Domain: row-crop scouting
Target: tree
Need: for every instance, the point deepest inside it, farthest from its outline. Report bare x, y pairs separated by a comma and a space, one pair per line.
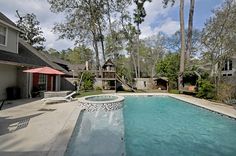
54, 52
79, 55
190, 32
139, 14
31, 30
114, 44
81, 24
168, 67
190, 27
182, 53
219, 38
185, 55
130, 34
152, 51
173, 42
84, 21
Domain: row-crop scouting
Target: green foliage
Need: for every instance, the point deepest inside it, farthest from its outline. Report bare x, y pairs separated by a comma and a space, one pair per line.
206, 89
114, 44
169, 67
139, 12
218, 36
87, 81
88, 93
166, 2
31, 31
79, 55
98, 88
174, 91
226, 92
54, 52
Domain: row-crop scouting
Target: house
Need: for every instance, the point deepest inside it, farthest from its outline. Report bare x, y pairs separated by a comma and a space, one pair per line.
72, 71
16, 56
229, 70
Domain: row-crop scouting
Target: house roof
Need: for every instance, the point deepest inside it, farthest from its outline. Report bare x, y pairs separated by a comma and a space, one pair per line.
28, 55
60, 62
161, 78
24, 58
41, 55
8, 22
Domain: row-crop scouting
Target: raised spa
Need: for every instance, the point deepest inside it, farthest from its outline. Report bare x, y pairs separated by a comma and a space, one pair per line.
101, 102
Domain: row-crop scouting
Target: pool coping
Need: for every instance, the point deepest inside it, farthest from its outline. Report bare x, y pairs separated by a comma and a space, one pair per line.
85, 99
60, 144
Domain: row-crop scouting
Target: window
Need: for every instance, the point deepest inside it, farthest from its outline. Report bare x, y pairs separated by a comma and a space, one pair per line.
145, 84
225, 65
229, 74
42, 81
230, 64
3, 35
224, 74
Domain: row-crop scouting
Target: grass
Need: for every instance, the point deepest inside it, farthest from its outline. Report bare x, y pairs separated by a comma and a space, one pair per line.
89, 92
174, 91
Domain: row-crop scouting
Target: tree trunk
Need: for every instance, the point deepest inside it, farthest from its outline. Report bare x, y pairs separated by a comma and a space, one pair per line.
95, 45
182, 53
190, 32
109, 16
135, 65
138, 57
101, 40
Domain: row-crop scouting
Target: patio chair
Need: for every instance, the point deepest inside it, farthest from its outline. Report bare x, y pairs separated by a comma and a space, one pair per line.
67, 98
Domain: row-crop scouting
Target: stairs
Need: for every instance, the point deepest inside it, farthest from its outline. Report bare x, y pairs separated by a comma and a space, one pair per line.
124, 83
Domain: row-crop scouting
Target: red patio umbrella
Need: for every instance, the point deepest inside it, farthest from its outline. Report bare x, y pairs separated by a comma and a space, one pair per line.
44, 70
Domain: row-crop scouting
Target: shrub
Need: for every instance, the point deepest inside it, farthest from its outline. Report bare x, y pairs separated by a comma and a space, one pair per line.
174, 91
87, 81
98, 88
206, 89
225, 92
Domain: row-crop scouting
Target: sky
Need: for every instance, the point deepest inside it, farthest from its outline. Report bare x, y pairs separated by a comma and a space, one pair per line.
158, 19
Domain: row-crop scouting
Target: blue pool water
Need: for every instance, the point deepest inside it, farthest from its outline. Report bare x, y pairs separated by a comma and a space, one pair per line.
98, 133
164, 126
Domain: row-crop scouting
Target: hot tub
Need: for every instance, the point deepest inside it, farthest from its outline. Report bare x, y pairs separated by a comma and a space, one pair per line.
101, 102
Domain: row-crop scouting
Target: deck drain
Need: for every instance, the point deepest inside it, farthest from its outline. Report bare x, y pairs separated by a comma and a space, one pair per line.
44, 109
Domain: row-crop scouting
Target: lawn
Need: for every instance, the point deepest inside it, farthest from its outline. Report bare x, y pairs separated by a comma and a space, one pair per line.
89, 92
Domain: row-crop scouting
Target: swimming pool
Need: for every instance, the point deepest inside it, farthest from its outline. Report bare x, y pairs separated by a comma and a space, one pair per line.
155, 126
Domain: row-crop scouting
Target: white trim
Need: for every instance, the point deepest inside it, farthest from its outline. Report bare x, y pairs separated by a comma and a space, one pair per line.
17, 43
46, 83
51, 83
6, 38
9, 25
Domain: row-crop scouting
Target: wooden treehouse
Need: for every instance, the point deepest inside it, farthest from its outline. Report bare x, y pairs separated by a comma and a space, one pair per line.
109, 77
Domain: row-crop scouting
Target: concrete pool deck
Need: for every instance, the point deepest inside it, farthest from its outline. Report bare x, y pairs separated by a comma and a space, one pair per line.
30, 128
